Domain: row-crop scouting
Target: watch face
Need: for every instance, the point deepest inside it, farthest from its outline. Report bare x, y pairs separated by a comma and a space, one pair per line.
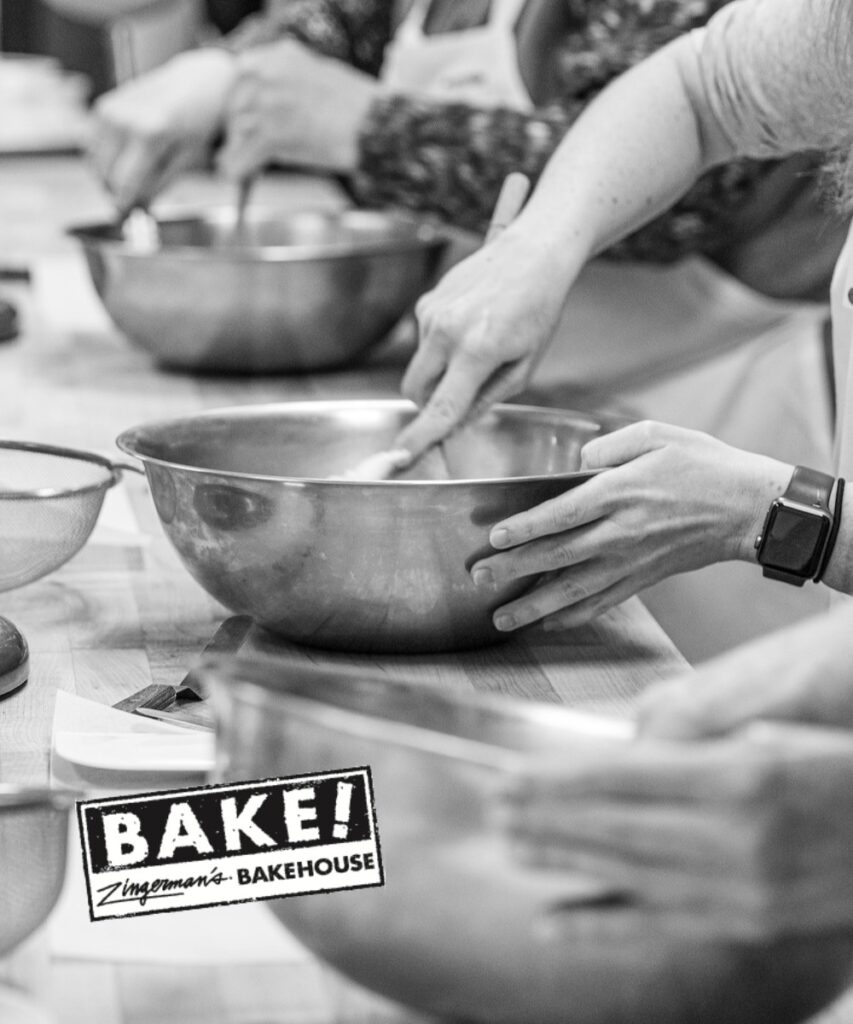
793, 540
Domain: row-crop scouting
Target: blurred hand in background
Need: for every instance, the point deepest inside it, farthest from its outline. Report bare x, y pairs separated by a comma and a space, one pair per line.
294, 107
745, 838
804, 674
154, 127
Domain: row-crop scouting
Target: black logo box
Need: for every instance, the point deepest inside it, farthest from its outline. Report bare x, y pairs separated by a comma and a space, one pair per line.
152, 811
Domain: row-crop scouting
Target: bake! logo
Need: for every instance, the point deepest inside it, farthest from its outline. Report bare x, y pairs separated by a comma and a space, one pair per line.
214, 845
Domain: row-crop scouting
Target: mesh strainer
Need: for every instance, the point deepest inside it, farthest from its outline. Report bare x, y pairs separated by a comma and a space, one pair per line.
33, 832
50, 499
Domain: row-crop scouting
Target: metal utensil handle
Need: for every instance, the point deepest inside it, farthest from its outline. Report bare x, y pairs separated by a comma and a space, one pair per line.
124, 51
513, 193
128, 467
173, 718
228, 639
244, 189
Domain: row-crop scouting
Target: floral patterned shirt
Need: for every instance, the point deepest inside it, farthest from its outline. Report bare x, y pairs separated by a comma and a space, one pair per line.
449, 159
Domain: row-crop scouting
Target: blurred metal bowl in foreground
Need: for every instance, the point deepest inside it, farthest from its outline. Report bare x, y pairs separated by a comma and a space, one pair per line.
244, 496
460, 928
284, 292
33, 838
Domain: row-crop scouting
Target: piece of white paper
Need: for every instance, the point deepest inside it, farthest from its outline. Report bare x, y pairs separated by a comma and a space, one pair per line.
74, 715
185, 752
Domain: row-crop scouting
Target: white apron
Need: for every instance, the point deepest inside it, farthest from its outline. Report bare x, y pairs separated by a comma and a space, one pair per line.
841, 1011
476, 65
685, 344
842, 343
754, 375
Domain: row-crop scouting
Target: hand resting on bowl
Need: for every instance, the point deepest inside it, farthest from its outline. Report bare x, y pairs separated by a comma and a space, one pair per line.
671, 500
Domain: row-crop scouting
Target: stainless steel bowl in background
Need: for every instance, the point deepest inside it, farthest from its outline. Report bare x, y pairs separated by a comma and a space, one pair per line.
33, 840
244, 496
284, 292
460, 928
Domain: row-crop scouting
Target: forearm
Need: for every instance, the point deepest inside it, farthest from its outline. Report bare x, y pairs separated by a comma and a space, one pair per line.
763, 80
633, 152
429, 156
799, 674
712, 218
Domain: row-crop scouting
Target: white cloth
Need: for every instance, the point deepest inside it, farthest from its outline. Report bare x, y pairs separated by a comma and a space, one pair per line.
684, 343
475, 65
842, 343
842, 340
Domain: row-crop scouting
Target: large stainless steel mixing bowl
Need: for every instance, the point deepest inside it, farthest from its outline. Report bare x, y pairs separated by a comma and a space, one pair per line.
284, 293
33, 839
243, 495
460, 929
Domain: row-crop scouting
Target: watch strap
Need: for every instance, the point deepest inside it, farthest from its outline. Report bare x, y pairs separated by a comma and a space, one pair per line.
770, 573
810, 487
833, 533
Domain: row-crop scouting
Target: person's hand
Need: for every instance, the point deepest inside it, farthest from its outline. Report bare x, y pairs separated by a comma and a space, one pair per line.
673, 500
482, 331
747, 837
147, 131
802, 674
294, 107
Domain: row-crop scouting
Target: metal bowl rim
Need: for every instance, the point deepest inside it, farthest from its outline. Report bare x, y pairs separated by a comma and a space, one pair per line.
37, 448
124, 442
426, 235
351, 723
18, 798
261, 675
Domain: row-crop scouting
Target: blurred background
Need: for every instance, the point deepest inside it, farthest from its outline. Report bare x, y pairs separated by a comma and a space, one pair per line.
80, 34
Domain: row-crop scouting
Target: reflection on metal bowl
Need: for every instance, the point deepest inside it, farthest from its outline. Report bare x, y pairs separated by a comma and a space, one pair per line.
461, 929
283, 293
245, 498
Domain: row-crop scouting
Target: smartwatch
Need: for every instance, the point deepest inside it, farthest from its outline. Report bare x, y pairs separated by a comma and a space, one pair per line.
793, 539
